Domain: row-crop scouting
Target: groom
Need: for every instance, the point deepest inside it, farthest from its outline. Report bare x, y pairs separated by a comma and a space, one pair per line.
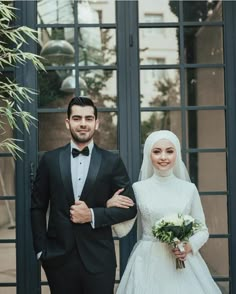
76, 246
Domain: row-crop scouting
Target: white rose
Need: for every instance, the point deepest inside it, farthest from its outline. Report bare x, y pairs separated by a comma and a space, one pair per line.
176, 219
188, 219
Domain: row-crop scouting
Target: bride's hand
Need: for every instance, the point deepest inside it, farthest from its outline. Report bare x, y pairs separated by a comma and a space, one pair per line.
182, 255
121, 201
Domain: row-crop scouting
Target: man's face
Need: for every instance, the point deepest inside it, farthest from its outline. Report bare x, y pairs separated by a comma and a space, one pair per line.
82, 124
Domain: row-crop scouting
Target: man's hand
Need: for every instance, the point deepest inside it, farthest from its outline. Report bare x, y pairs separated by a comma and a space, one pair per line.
80, 213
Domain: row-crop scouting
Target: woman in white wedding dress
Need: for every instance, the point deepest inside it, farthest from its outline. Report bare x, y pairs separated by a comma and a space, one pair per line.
164, 188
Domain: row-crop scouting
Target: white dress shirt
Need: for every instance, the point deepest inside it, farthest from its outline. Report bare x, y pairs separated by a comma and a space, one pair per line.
79, 171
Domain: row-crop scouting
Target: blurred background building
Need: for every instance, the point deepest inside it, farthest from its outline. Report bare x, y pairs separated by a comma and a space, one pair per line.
148, 65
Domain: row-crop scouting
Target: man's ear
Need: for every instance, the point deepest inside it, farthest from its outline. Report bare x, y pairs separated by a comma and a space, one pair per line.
67, 123
97, 124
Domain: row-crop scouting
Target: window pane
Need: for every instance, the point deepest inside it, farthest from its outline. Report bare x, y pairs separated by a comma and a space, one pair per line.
7, 218
202, 125
106, 135
91, 11
215, 208
158, 11
97, 46
52, 137
54, 88
205, 86
7, 226
160, 120
215, 253
8, 262
50, 12
202, 11
163, 51
8, 290
203, 45
7, 176
160, 87
105, 11
204, 175
57, 45
101, 86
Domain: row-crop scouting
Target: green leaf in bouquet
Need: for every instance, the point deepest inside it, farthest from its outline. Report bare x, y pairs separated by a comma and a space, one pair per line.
176, 231
187, 230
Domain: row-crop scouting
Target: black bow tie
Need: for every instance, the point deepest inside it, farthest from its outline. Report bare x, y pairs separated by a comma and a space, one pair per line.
76, 152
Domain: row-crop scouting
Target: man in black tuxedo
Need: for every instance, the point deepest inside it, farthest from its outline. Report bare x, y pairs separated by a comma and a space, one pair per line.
75, 245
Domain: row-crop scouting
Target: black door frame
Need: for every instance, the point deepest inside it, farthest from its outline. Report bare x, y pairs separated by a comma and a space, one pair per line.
229, 10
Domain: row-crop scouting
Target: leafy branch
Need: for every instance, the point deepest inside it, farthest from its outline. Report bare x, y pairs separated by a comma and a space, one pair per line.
13, 95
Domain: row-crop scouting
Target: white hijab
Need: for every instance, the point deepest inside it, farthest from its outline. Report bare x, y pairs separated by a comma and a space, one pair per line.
147, 169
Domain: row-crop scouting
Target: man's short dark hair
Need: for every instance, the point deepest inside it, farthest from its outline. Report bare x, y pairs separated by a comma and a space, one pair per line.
81, 101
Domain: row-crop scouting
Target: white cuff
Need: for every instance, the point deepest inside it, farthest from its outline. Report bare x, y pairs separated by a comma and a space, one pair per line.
39, 254
93, 219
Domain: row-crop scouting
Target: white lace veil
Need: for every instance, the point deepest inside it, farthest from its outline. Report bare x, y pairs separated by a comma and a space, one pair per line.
147, 169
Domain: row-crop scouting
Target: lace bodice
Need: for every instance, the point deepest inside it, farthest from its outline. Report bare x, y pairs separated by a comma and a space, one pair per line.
160, 196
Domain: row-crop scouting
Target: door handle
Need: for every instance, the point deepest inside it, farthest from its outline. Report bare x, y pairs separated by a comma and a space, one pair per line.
31, 174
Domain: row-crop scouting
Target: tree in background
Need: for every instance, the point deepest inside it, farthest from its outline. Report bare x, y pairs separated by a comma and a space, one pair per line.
13, 95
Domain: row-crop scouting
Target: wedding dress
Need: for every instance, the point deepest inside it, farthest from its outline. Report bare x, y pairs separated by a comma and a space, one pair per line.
151, 268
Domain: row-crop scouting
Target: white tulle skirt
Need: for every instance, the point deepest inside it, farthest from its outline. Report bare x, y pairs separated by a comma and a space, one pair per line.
151, 269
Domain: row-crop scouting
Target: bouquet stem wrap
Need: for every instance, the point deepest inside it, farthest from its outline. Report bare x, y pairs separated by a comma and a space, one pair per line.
177, 244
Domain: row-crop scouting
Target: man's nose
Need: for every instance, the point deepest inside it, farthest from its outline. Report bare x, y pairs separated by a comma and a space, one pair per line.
82, 122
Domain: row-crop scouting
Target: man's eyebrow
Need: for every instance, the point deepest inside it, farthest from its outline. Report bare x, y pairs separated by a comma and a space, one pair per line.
86, 116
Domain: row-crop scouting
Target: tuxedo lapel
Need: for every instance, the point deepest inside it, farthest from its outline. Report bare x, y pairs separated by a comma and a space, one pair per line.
94, 166
65, 168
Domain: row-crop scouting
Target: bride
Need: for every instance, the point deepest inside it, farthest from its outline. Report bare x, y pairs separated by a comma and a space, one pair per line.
164, 188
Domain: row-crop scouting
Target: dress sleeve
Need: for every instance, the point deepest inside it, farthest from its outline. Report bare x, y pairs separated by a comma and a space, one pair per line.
200, 237
120, 230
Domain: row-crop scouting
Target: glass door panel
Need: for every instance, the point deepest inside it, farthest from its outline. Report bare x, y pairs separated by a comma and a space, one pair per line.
182, 89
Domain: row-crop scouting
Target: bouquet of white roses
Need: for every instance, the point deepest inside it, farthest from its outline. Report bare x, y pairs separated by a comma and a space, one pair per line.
175, 230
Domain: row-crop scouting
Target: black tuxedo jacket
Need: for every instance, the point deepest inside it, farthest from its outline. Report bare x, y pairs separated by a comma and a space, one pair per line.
53, 232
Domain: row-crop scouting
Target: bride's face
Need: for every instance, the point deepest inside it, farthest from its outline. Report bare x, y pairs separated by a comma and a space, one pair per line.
163, 155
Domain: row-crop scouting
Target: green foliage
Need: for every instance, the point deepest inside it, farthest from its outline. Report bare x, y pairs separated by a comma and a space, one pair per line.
13, 95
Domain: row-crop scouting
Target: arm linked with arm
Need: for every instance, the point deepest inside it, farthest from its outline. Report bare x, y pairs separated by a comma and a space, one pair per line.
109, 216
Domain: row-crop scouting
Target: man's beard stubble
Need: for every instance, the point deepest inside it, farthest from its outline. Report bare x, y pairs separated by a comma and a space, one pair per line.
79, 140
